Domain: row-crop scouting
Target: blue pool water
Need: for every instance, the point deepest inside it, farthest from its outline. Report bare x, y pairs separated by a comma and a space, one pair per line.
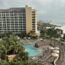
32, 51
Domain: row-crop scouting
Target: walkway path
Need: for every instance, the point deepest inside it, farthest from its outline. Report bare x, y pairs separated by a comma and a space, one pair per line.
61, 60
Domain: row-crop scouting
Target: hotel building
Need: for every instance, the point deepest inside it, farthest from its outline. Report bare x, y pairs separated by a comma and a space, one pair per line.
18, 20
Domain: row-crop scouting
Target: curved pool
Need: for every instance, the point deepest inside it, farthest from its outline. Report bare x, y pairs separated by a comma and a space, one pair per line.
32, 51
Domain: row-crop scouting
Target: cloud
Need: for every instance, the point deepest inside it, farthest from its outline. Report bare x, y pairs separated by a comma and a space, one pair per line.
46, 9
11, 3
51, 10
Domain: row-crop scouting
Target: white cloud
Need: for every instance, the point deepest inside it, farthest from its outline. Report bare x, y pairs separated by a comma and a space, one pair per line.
47, 9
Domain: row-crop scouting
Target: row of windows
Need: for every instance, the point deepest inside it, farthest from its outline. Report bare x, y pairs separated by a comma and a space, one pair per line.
12, 30
15, 27
11, 14
1, 32
9, 22
19, 19
13, 23
19, 22
15, 17
12, 17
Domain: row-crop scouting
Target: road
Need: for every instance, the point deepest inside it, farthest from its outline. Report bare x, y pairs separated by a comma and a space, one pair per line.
61, 60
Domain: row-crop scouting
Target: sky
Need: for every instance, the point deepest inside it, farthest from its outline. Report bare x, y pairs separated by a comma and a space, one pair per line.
52, 11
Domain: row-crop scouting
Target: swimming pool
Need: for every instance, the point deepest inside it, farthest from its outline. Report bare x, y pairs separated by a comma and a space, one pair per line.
32, 51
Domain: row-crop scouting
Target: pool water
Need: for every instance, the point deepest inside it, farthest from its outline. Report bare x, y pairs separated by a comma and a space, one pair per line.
32, 51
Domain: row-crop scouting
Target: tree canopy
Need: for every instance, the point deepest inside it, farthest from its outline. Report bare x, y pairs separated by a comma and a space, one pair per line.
51, 32
10, 45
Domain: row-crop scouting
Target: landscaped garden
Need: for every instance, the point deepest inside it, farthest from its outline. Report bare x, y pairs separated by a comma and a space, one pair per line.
12, 52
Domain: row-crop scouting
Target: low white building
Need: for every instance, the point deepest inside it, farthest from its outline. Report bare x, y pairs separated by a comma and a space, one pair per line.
62, 28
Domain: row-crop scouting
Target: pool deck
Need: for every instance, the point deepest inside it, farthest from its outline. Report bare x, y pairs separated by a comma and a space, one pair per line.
45, 58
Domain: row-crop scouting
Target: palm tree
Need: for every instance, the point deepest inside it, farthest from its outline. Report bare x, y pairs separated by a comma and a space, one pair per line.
10, 46
32, 33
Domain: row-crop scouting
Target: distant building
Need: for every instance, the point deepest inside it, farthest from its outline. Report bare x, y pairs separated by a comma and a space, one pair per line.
18, 20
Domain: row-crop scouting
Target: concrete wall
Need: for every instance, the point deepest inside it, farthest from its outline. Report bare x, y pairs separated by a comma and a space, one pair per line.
28, 19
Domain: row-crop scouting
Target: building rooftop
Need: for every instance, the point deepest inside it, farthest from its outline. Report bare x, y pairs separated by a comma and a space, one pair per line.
12, 9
